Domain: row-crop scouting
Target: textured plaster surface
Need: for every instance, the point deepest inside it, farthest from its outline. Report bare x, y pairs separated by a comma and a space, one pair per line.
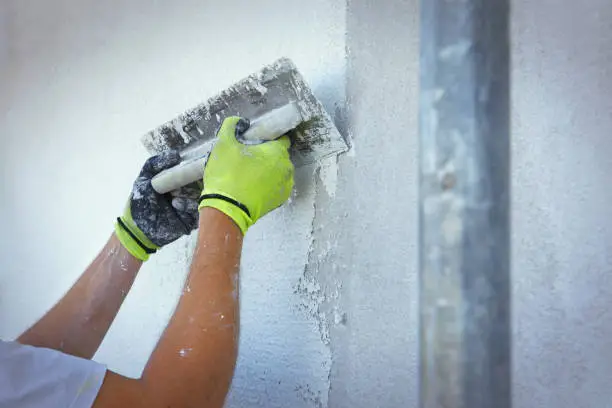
85, 80
562, 211
372, 251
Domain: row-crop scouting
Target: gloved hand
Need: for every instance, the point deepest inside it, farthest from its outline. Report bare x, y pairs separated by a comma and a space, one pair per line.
152, 220
246, 182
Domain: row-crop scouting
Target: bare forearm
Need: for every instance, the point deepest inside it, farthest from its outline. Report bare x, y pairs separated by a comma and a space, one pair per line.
195, 358
78, 323
193, 363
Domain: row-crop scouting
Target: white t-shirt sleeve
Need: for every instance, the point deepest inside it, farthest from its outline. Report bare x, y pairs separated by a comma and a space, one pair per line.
32, 377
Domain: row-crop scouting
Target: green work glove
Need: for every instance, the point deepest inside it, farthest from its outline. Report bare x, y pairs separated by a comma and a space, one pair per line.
246, 182
152, 220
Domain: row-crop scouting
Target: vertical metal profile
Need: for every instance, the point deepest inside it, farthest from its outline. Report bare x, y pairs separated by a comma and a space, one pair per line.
465, 342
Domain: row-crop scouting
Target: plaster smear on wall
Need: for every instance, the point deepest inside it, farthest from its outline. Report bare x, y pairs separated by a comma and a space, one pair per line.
328, 175
276, 366
86, 81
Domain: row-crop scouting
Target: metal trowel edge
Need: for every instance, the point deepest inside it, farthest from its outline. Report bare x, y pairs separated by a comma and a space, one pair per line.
272, 89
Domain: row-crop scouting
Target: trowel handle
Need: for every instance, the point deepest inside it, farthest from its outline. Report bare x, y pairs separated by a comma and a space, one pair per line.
269, 126
178, 176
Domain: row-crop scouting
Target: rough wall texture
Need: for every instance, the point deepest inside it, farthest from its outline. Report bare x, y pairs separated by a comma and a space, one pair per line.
562, 235
329, 283
373, 251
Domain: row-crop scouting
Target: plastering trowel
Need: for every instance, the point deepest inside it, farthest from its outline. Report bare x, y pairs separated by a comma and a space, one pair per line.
276, 100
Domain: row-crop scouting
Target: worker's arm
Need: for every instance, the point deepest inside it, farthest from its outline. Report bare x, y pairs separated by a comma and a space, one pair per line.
78, 323
193, 363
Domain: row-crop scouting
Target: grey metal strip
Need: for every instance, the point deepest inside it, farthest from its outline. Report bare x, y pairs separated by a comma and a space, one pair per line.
465, 325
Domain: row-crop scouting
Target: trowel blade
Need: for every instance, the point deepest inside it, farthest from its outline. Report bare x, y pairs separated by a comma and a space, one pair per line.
272, 87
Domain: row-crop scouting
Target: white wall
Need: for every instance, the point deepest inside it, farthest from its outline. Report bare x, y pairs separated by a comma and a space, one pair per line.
562, 212
86, 80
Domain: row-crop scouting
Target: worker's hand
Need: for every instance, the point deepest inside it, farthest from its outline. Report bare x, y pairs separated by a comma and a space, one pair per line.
246, 181
152, 220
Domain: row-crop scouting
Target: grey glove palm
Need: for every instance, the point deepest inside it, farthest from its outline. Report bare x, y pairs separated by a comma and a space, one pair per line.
152, 220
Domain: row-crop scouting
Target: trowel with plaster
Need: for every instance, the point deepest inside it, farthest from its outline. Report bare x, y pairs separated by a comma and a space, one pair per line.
276, 100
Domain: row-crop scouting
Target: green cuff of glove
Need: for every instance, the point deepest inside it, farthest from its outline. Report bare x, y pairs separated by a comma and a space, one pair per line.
133, 240
232, 208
